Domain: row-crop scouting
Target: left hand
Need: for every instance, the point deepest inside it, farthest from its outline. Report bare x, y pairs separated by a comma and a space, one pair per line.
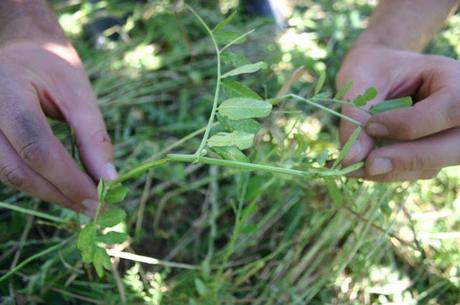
429, 132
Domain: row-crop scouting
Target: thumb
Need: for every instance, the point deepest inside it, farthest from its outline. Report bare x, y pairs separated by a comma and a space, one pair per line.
94, 143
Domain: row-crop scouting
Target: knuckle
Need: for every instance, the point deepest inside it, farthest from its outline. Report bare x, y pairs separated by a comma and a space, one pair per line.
406, 130
13, 177
35, 152
416, 162
101, 137
452, 111
442, 62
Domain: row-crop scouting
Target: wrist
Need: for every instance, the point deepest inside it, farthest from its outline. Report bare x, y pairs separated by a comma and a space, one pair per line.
370, 39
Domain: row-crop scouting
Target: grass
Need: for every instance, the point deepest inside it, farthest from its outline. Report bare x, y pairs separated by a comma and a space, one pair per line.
204, 234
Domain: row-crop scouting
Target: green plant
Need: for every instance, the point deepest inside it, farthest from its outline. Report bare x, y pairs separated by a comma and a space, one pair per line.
241, 237
236, 115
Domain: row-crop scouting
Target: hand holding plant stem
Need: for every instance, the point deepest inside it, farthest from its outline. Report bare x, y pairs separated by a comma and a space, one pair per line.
237, 115
428, 134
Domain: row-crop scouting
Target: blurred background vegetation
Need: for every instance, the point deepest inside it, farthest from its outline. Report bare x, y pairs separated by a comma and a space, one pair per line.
245, 238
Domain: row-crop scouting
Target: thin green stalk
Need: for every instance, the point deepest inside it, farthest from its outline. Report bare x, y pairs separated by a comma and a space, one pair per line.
333, 100
31, 212
181, 141
139, 170
34, 257
198, 153
235, 41
310, 102
242, 165
233, 164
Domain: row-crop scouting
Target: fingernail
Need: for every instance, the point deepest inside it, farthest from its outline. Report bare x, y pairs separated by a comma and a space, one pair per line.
354, 152
380, 166
110, 172
377, 130
90, 207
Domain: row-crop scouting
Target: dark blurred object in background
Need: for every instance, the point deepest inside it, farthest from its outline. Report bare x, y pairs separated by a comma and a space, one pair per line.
266, 8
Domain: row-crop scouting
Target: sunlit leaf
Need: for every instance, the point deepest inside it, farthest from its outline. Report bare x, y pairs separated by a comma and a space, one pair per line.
250, 68
111, 218
240, 139
236, 89
240, 108
391, 105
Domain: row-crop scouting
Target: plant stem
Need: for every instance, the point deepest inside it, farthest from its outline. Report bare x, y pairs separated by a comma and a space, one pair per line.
233, 164
242, 165
181, 141
235, 40
198, 153
31, 212
34, 257
310, 102
149, 260
139, 170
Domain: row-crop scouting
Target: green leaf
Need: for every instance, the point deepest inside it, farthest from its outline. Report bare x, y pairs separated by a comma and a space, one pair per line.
369, 95
247, 125
249, 210
391, 105
343, 90
240, 139
101, 260
239, 108
322, 157
87, 242
249, 229
236, 89
234, 59
101, 190
222, 24
334, 191
320, 82
111, 218
226, 37
250, 68
112, 238
230, 153
116, 194
346, 148
301, 143
200, 287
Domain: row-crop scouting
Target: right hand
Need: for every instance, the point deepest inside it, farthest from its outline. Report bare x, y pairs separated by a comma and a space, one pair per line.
39, 80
